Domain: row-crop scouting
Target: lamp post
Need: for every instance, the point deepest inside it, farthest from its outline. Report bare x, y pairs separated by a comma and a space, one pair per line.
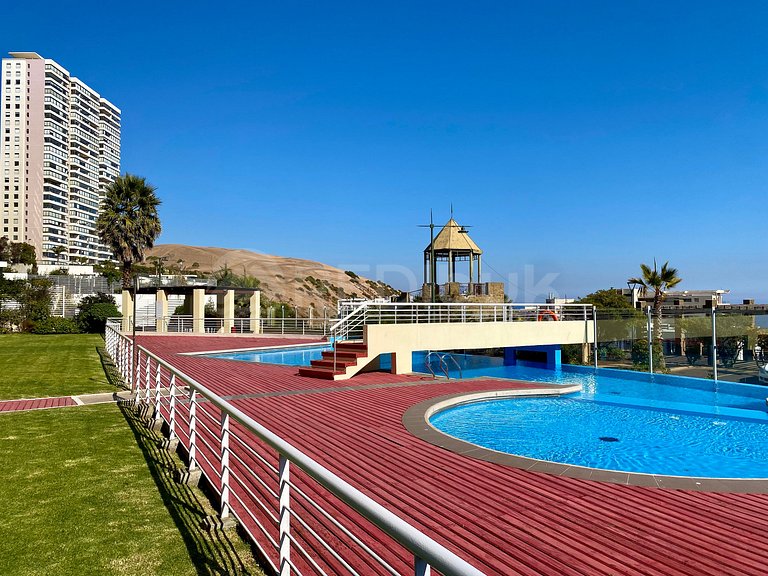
432, 266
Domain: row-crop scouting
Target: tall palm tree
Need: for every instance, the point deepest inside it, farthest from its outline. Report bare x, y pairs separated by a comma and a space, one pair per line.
659, 281
128, 222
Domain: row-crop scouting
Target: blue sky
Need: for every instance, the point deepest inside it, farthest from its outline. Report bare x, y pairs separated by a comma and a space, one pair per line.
577, 138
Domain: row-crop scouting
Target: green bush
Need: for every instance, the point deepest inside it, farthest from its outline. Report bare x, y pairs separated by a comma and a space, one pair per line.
640, 356
571, 354
55, 325
93, 312
611, 353
93, 319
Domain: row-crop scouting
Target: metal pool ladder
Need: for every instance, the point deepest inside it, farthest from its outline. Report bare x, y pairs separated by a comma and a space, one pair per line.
443, 364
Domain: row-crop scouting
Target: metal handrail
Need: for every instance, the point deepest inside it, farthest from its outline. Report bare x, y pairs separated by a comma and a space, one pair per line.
456, 362
424, 548
428, 364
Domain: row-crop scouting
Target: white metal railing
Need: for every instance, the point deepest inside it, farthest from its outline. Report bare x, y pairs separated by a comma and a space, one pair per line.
427, 313
350, 327
186, 323
251, 468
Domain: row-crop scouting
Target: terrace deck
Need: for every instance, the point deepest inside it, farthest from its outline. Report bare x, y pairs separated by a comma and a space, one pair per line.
503, 520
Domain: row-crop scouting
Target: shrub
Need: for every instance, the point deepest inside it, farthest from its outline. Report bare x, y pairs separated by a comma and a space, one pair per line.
571, 354
55, 325
94, 311
93, 319
640, 356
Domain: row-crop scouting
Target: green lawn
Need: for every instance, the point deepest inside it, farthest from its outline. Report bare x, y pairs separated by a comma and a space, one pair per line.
36, 366
85, 491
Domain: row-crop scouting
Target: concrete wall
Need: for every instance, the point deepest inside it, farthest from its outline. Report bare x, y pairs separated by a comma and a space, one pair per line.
402, 339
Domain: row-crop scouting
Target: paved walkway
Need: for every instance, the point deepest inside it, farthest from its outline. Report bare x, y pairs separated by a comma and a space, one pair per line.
61, 401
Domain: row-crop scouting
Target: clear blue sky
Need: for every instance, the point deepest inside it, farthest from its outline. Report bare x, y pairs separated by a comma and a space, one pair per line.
578, 138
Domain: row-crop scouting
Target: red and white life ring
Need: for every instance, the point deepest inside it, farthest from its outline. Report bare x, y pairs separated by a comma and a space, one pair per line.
547, 315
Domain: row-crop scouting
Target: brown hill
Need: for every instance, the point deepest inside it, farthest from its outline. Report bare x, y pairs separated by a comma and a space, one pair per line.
299, 282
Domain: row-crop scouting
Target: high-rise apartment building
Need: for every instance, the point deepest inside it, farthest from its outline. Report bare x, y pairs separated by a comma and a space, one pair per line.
60, 148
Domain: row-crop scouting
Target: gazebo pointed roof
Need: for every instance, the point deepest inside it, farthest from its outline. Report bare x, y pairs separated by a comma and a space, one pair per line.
450, 239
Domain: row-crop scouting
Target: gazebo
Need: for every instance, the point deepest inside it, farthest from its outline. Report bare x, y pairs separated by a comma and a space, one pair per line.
452, 244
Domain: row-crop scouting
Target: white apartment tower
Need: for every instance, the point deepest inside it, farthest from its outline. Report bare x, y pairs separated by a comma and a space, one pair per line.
60, 148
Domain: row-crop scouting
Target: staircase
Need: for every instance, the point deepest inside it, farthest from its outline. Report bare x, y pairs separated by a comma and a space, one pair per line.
351, 357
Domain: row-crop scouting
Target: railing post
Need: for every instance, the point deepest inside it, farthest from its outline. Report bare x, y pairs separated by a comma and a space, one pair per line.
224, 465
146, 382
172, 410
420, 567
193, 429
714, 345
158, 415
284, 477
650, 341
594, 329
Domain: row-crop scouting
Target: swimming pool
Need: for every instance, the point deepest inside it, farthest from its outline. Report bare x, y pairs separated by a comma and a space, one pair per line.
622, 421
289, 355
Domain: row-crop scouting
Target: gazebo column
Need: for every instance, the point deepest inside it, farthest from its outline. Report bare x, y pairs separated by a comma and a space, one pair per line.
471, 257
479, 268
426, 262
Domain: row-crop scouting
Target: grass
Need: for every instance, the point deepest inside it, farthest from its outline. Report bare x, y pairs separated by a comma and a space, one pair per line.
37, 366
86, 490
81, 496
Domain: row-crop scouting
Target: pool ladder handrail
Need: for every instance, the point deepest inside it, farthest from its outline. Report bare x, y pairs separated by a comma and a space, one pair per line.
428, 363
443, 364
456, 363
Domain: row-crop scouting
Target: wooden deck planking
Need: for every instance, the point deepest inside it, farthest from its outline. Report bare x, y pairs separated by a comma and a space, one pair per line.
503, 520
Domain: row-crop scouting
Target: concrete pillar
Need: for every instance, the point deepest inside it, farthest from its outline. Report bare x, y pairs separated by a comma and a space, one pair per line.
127, 305
255, 306
161, 311
198, 310
229, 311
402, 362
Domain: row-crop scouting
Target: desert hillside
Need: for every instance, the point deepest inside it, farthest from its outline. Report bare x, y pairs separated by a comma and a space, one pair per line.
299, 282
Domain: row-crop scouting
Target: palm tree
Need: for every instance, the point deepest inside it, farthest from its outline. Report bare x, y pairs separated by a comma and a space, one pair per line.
659, 281
128, 222
58, 251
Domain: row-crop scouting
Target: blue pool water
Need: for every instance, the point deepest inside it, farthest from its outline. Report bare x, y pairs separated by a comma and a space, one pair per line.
624, 421
293, 356
620, 420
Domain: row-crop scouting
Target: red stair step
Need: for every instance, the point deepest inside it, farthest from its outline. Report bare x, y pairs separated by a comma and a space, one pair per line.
322, 373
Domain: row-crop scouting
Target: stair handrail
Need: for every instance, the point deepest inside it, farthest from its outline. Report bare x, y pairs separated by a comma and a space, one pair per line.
336, 328
456, 362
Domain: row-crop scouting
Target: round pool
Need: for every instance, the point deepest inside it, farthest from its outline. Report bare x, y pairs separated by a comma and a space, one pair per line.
579, 431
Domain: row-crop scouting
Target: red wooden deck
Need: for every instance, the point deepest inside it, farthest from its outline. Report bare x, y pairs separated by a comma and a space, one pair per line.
502, 520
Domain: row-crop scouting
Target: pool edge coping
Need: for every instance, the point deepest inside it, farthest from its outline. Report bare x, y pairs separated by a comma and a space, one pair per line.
416, 420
